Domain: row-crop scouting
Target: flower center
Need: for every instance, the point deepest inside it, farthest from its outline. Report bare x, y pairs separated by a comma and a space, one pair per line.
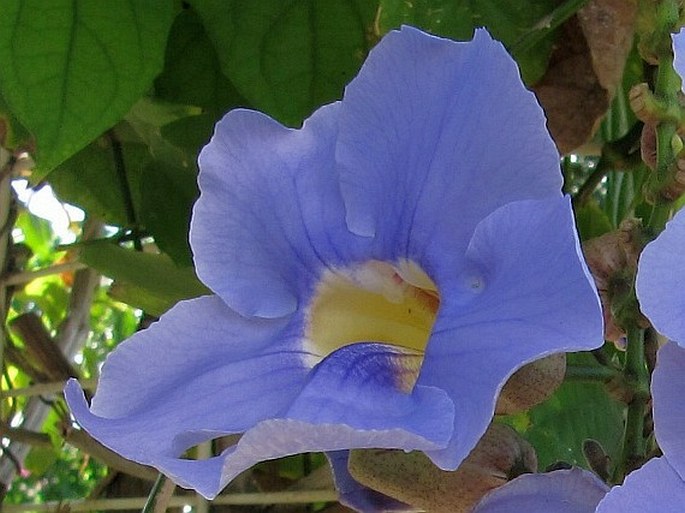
372, 302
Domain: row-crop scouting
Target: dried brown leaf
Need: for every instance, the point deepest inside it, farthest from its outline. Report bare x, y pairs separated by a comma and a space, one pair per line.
584, 70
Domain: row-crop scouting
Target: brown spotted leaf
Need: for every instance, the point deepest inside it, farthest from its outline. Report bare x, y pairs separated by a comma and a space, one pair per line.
585, 69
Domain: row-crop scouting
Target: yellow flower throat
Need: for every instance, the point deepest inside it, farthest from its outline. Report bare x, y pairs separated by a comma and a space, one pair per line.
373, 302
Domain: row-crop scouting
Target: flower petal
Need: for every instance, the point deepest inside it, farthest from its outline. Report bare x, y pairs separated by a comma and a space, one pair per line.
654, 488
561, 491
679, 52
521, 300
270, 214
434, 136
350, 401
668, 390
276, 438
661, 280
357, 496
364, 386
201, 372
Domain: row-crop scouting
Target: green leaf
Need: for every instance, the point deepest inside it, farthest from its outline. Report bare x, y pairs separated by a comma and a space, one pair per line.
91, 180
190, 133
145, 122
13, 135
149, 281
192, 72
49, 296
441, 17
294, 467
577, 411
620, 117
168, 193
37, 235
508, 22
621, 190
152, 185
287, 57
149, 114
71, 70
592, 221
148, 301
40, 459
192, 76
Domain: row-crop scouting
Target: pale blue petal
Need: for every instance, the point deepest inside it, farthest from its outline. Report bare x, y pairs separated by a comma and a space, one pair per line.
350, 401
357, 496
270, 215
526, 293
435, 135
228, 381
361, 385
276, 438
654, 488
203, 476
661, 280
201, 348
679, 52
668, 392
200, 372
561, 491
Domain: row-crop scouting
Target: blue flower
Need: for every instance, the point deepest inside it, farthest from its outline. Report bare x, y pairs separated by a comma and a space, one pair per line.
656, 487
659, 485
661, 281
562, 491
378, 274
679, 52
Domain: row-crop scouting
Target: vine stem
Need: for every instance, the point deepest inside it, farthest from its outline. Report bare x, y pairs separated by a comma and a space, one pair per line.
590, 373
160, 495
263, 499
636, 374
666, 87
122, 176
6, 224
23, 277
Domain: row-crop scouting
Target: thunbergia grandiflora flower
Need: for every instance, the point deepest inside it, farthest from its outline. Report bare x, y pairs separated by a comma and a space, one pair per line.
378, 274
562, 491
679, 52
658, 486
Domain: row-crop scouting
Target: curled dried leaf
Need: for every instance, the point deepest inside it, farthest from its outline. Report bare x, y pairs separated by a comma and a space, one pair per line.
612, 259
585, 70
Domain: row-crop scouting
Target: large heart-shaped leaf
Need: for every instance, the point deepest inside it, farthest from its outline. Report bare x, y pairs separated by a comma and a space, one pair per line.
71, 70
287, 57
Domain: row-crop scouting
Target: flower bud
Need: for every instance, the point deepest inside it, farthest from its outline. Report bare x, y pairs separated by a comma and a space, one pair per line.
531, 384
412, 478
